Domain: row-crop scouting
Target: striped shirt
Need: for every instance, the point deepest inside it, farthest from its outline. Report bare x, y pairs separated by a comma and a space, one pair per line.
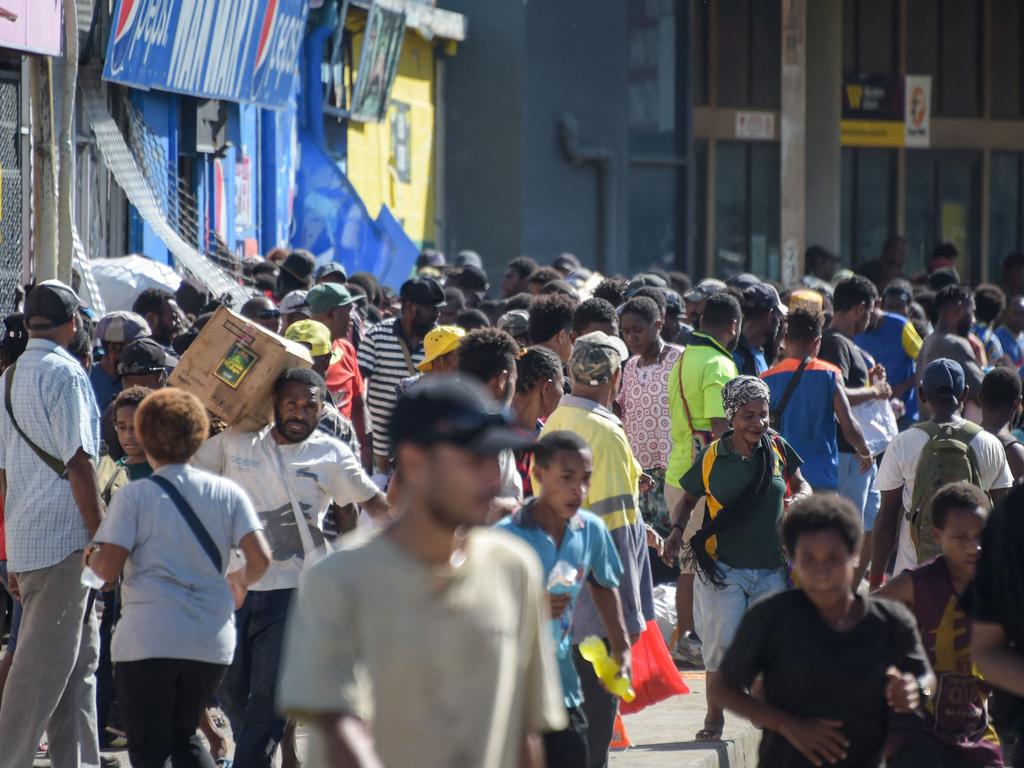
382, 361
54, 404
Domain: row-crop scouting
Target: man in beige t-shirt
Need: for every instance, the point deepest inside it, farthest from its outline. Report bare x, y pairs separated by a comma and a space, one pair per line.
427, 645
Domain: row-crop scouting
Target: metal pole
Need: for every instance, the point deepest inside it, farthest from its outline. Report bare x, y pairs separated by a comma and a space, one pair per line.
45, 183
686, 180
794, 126
66, 146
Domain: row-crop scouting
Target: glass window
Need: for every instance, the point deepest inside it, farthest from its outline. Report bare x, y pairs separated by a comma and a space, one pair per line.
923, 38
868, 202
748, 53
1006, 58
699, 52
747, 209
943, 198
960, 53
1006, 209
733, 53
870, 36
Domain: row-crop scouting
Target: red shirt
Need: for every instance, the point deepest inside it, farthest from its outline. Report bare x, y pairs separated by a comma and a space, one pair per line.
344, 381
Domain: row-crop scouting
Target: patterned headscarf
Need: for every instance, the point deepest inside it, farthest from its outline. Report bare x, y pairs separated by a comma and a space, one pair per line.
742, 390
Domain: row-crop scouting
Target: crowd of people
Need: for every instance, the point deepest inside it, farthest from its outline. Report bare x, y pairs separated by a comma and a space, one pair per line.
823, 473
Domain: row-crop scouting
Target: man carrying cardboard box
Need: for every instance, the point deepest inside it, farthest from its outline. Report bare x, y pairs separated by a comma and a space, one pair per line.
289, 469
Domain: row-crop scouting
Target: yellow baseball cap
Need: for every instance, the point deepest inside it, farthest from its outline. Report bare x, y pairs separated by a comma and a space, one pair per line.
440, 341
316, 336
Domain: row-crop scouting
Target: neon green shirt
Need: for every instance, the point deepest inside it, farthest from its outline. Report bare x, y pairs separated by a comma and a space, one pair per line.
704, 369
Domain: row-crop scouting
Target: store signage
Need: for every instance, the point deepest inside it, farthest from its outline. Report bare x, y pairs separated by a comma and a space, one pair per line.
755, 125
918, 109
880, 111
235, 50
32, 26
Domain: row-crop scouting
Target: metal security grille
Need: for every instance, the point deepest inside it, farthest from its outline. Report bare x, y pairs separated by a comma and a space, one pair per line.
10, 191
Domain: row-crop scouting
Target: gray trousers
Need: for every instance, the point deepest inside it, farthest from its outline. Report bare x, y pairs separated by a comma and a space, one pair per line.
51, 686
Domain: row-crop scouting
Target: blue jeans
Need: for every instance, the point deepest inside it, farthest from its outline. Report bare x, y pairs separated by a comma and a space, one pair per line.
12, 642
249, 689
717, 611
859, 488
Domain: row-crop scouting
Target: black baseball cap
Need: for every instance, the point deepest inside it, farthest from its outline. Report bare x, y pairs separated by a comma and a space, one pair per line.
445, 409
422, 290
142, 357
49, 305
331, 269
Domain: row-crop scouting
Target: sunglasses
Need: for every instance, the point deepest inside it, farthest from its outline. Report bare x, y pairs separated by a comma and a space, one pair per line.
269, 314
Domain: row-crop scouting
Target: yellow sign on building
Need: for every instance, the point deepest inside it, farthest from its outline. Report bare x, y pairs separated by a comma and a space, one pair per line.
392, 162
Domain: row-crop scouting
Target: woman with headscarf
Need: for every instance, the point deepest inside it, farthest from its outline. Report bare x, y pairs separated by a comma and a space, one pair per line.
748, 476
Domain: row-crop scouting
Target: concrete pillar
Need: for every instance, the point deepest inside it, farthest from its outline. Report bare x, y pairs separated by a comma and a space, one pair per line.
824, 110
792, 166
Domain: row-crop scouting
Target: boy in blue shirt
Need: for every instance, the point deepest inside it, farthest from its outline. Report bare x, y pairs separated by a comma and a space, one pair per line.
574, 547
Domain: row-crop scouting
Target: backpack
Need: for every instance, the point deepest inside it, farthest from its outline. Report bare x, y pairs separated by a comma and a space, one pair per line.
945, 458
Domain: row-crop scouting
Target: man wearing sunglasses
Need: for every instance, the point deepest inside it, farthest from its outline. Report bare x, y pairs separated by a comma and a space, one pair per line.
262, 311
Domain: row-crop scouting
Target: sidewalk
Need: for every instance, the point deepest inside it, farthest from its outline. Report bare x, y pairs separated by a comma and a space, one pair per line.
662, 736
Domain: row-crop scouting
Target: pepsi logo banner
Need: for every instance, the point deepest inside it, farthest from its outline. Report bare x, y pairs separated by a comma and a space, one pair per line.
235, 50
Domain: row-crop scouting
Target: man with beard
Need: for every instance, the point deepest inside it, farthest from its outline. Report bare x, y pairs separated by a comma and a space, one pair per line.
159, 308
390, 352
289, 459
954, 305
439, 622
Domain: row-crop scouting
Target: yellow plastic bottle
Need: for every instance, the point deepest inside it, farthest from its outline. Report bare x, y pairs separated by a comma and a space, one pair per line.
594, 650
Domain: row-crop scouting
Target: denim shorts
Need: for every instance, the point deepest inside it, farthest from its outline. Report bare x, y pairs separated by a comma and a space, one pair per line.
717, 611
16, 615
859, 488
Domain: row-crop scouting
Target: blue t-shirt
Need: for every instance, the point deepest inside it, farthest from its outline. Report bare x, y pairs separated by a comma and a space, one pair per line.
587, 552
809, 423
750, 361
993, 347
1011, 345
895, 344
104, 387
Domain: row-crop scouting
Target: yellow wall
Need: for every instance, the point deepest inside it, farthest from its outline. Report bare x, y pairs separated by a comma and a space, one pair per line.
370, 155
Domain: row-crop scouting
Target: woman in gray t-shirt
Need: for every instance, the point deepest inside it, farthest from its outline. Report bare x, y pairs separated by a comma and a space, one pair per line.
172, 535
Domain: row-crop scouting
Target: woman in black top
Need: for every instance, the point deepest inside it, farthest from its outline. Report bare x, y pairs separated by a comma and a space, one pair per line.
833, 663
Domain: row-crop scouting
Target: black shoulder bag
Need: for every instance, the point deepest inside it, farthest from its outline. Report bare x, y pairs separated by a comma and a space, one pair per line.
788, 394
202, 535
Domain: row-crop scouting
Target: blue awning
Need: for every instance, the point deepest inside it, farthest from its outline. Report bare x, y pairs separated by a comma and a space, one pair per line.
235, 50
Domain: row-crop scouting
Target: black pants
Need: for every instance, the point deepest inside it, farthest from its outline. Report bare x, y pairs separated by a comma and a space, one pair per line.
568, 748
600, 708
161, 701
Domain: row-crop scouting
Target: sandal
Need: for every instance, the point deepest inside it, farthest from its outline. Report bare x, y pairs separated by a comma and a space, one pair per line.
706, 735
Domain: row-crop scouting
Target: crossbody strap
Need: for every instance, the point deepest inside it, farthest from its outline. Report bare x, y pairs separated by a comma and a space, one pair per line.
201, 534
52, 462
791, 388
682, 393
300, 519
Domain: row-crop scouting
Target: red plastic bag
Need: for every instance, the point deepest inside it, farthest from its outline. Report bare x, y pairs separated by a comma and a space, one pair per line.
655, 677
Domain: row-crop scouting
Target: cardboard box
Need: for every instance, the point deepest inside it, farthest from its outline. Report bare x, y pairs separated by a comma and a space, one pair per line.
232, 366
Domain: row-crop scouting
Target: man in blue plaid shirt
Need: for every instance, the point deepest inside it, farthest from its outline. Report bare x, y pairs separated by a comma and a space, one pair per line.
49, 438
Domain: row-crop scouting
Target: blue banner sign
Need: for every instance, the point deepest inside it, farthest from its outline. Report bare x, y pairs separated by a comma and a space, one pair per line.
235, 50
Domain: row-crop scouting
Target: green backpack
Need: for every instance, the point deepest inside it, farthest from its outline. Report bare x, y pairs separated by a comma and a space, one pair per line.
945, 458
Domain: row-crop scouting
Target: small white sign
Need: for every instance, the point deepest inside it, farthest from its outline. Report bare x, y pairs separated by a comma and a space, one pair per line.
755, 125
917, 110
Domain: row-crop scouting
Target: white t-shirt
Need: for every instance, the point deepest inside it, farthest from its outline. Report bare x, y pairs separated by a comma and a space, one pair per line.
899, 468
322, 468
